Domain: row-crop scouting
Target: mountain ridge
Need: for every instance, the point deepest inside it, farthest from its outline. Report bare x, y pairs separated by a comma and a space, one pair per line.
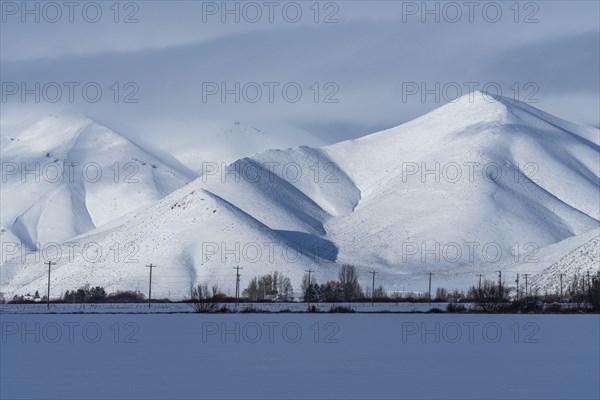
64, 176
492, 173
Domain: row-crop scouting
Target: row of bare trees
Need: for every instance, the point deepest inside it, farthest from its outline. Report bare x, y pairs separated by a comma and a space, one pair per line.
346, 288
581, 289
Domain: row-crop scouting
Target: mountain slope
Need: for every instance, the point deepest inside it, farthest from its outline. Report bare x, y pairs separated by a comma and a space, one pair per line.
487, 170
64, 176
572, 257
469, 187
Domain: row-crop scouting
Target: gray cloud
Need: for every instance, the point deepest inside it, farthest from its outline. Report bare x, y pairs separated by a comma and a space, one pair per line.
370, 54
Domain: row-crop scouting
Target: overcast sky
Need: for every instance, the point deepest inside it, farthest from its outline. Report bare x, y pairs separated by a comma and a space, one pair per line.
357, 64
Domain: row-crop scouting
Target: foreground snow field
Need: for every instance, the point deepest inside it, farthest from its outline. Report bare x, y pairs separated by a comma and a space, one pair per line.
320, 356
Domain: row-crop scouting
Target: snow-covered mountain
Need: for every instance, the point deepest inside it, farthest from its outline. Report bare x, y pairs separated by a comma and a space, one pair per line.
66, 175
225, 144
475, 186
571, 257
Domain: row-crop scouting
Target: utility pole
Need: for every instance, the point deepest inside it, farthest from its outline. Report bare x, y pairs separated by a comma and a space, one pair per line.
310, 271
150, 283
500, 294
589, 286
429, 295
526, 292
373, 288
237, 284
50, 263
517, 286
561, 286
480, 276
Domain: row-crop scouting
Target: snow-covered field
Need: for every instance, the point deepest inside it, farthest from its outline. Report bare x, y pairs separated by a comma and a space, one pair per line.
274, 356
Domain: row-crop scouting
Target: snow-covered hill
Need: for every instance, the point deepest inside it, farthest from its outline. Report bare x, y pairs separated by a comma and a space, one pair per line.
225, 144
472, 187
66, 175
573, 257
492, 172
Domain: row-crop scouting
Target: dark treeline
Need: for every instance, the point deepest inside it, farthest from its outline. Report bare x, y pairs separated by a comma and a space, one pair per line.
581, 292
86, 294
274, 286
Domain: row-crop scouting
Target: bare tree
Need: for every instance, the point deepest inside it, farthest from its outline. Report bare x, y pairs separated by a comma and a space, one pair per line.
441, 294
270, 286
380, 293
349, 280
284, 288
252, 292
202, 300
489, 295
308, 288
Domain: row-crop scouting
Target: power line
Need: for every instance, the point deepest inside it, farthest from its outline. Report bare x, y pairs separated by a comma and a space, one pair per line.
429, 292
50, 263
150, 284
373, 288
237, 284
309, 289
526, 290
589, 284
500, 282
561, 285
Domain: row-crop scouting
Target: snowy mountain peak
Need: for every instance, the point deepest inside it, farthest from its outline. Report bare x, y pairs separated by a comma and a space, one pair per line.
470, 109
47, 134
65, 175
